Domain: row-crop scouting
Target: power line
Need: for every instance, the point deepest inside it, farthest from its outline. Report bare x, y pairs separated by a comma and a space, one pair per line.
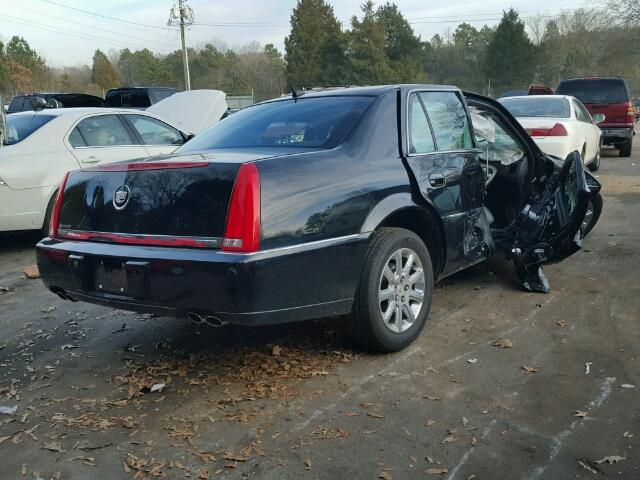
107, 17
165, 45
48, 28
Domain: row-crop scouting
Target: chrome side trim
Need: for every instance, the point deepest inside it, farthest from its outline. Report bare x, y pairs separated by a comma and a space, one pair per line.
214, 242
303, 247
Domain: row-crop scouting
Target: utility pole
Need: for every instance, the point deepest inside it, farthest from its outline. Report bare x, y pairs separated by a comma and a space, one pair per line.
182, 14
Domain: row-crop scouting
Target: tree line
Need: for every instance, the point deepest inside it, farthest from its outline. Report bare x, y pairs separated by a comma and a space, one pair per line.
378, 46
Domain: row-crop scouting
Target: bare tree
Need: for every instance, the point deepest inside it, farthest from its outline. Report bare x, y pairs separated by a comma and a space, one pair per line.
627, 11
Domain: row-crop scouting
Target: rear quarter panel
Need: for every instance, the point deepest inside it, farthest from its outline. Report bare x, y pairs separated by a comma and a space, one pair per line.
325, 194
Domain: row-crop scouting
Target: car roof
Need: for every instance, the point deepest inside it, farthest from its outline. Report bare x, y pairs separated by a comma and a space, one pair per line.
78, 111
370, 90
531, 97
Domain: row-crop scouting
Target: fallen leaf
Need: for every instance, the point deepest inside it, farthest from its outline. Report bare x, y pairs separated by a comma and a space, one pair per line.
431, 397
276, 351
580, 414
374, 415
158, 387
385, 476
465, 421
627, 435
611, 459
31, 272
428, 423
53, 446
307, 464
472, 360
86, 445
436, 471
529, 369
503, 343
561, 323
449, 439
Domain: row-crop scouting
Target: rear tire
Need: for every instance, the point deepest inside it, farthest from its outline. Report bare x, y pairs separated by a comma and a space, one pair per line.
595, 165
625, 148
47, 215
405, 291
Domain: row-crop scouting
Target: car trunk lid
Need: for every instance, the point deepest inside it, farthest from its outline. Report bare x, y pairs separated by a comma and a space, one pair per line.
179, 201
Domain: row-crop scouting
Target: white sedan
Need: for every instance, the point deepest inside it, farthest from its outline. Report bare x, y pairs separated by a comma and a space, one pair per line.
41, 146
560, 125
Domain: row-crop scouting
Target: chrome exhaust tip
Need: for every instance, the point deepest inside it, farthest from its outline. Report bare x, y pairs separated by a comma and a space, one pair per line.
195, 318
214, 321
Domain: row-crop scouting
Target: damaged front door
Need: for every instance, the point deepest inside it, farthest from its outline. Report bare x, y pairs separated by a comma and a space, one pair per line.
548, 229
440, 152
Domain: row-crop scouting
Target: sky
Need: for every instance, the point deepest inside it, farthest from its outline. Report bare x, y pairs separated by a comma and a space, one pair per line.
67, 36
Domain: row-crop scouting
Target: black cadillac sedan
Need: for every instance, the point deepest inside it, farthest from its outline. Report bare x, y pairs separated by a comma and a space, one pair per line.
344, 202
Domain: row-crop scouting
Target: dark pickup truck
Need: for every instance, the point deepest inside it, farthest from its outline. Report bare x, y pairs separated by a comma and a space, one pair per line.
344, 202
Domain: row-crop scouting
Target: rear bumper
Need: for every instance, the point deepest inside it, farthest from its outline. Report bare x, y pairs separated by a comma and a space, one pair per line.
311, 280
616, 135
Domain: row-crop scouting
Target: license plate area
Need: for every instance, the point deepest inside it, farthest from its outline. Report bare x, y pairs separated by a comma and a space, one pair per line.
111, 276
119, 277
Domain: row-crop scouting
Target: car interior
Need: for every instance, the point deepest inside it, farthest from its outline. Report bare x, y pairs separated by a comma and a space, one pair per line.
505, 163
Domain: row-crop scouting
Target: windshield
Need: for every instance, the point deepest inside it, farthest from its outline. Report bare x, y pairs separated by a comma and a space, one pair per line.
537, 107
601, 91
320, 122
21, 126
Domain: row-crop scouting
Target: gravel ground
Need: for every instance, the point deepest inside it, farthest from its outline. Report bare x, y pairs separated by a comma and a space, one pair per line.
502, 384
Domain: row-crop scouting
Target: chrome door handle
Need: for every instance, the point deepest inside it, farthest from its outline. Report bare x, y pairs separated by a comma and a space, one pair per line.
90, 159
437, 180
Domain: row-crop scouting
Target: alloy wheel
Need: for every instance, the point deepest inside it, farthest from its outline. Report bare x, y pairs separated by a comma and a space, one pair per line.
401, 290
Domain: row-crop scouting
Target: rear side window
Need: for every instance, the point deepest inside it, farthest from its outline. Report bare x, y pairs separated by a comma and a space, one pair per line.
20, 127
420, 138
155, 132
135, 99
448, 119
157, 94
320, 122
103, 131
113, 100
599, 91
19, 104
581, 113
75, 138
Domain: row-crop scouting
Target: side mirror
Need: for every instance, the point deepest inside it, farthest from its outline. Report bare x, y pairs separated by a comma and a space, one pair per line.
187, 136
38, 103
598, 118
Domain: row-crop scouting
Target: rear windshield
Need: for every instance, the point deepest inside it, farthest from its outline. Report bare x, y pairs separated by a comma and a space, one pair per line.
320, 122
602, 91
70, 101
20, 127
537, 107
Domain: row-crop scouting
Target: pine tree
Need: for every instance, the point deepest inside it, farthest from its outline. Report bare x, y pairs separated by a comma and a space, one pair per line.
510, 54
367, 49
103, 73
314, 41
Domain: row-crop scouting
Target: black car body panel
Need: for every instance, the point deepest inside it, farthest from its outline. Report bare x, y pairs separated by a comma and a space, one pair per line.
21, 103
318, 209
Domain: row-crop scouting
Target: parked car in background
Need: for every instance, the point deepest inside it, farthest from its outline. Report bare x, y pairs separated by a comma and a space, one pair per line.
560, 125
137, 97
610, 97
40, 147
351, 201
22, 103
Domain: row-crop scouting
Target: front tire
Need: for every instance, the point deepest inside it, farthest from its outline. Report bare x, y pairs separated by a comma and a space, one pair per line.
594, 209
394, 295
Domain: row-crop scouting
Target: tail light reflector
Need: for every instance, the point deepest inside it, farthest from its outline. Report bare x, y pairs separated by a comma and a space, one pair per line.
631, 114
557, 130
242, 232
54, 223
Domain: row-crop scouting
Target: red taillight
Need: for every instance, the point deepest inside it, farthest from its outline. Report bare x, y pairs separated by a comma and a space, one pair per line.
55, 213
242, 233
631, 113
557, 130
